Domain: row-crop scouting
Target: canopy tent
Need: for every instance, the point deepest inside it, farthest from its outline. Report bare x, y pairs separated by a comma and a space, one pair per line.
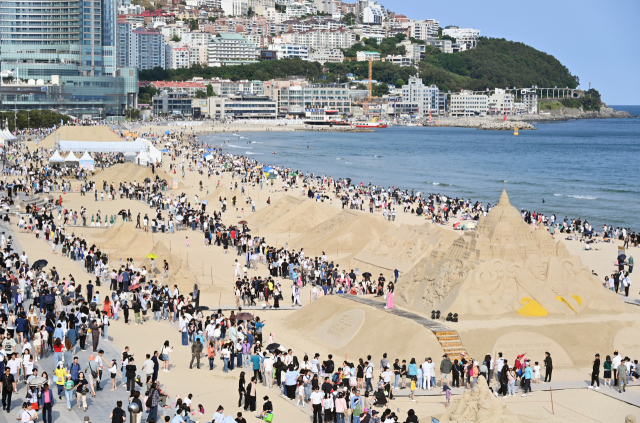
86, 161
71, 158
7, 135
103, 147
56, 158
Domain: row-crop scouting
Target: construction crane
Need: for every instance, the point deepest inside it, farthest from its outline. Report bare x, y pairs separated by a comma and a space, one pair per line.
371, 60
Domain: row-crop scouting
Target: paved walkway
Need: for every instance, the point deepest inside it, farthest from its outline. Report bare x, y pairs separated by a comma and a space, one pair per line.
432, 325
98, 408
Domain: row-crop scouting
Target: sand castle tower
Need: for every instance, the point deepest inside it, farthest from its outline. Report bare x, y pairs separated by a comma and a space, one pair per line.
504, 266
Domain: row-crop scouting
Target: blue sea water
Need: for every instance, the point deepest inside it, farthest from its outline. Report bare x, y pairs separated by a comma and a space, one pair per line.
582, 168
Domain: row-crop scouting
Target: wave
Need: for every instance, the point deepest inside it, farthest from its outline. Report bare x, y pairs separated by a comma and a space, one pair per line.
236, 146
440, 184
375, 155
582, 197
249, 153
339, 158
557, 195
257, 142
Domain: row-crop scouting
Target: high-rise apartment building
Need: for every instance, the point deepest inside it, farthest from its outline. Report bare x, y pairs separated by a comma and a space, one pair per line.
72, 40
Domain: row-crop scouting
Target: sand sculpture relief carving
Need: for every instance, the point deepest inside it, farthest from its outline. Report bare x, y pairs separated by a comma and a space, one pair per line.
339, 331
533, 344
504, 267
627, 342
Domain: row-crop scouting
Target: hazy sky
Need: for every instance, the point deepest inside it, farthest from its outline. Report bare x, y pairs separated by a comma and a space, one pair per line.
597, 40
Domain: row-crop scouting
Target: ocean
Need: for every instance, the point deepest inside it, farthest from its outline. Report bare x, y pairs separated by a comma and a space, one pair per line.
582, 168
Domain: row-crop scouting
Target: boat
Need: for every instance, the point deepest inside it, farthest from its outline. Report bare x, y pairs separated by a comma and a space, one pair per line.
516, 131
374, 123
324, 117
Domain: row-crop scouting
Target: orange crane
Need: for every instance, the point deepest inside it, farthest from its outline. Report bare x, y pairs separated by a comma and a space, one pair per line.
371, 60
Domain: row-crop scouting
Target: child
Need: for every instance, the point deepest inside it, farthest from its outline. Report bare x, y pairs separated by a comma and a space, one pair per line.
300, 395
188, 400
199, 411
447, 392
536, 372
113, 370
413, 389
187, 242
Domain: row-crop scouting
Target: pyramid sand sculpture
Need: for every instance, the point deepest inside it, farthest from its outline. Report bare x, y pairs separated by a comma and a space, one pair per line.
478, 405
503, 267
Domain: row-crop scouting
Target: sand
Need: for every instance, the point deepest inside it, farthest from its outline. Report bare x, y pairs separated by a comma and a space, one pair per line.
321, 326
129, 172
333, 325
77, 133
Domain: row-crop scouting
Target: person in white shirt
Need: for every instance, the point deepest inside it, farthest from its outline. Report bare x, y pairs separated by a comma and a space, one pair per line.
316, 404
426, 375
268, 370
617, 359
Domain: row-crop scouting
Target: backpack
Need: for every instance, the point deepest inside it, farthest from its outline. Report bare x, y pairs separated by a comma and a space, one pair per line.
148, 402
335, 378
329, 367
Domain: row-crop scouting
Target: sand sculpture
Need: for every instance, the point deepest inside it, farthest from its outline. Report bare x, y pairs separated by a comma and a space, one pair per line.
401, 247
502, 267
478, 405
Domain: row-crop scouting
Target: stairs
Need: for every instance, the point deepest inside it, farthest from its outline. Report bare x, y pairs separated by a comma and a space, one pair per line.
451, 343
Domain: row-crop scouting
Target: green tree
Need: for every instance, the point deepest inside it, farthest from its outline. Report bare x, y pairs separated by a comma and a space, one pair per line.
210, 92
211, 19
400, 82
201, 94
349, 19
193, 24
378, 90
175, 38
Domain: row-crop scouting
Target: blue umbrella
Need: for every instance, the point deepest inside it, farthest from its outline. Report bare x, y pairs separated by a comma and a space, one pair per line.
164, 150
153, 138
167, 132
205, 202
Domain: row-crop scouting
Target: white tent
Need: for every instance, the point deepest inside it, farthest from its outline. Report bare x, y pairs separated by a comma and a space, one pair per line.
86, 161
103, 147
71, 158
56, 158
7, 135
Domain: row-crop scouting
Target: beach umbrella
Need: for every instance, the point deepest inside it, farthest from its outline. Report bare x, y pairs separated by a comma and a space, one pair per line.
164, 150
275, 346
4, 206
469, 225
39, 264
455, 225
202, 308
179, 218
147, 179
167, 132
205, 202
431, 208
38, 381
152, 256
136, 286
243, 222
244, 316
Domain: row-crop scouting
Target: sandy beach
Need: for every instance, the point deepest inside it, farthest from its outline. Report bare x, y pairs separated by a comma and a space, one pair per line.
353, 239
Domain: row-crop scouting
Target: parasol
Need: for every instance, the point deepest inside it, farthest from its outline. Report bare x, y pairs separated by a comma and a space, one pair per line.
244, 316
40, 264
152, 256
274, 346
243, 222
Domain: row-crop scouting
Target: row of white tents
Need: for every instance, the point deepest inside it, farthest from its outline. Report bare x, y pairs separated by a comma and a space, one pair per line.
84, 162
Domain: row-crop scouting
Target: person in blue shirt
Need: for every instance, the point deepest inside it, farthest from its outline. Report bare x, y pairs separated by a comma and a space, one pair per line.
528, 375
291, 381
259, 325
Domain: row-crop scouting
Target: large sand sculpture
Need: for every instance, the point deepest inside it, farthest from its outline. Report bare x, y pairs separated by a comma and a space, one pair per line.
334, 325
504, 267
401, 247
80, 133
478, 405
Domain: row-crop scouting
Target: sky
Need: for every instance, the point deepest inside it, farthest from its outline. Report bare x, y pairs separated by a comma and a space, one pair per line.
597, 40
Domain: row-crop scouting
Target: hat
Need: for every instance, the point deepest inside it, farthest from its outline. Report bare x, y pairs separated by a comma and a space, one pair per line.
366, 410
374, 412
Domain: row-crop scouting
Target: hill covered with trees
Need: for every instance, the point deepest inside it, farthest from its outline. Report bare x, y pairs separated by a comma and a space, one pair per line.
494, 63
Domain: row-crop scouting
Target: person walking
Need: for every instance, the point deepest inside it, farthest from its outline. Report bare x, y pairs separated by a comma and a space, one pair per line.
316, 404
196, 352
46, 403
68, 391
595, 373
118, 415
82, 390
152, 402
7, 380
528, 375
622, 377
